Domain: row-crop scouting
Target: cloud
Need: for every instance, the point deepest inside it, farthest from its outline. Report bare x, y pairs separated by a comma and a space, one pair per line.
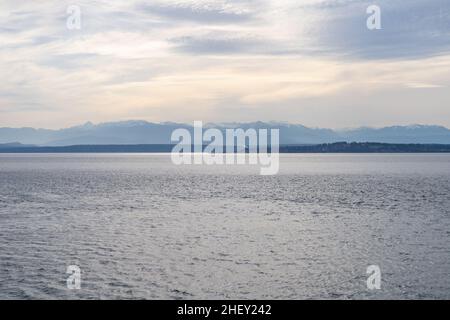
311, 61
423, 85
219, 44
197, 13
410, 29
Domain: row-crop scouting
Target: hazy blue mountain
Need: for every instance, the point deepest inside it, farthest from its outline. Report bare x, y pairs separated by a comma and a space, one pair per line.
142, 132
399, 134
14, 145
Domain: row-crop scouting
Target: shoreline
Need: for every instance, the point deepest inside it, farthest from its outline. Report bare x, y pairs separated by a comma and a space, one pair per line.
339, 147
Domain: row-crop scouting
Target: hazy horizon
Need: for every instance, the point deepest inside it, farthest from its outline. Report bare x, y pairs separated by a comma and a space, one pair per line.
225, 123
143, 132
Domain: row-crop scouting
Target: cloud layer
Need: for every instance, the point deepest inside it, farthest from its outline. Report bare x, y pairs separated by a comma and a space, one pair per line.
313, 62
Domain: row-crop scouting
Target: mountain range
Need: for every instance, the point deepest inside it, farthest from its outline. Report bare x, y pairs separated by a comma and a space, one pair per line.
143, 132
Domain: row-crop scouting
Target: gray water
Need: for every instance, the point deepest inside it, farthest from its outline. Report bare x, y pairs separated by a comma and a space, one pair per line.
142, 228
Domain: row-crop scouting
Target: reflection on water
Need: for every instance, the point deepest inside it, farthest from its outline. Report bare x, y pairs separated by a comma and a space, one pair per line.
140, 227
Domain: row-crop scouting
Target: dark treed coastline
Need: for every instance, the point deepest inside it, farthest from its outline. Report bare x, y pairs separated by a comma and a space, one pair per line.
338, 147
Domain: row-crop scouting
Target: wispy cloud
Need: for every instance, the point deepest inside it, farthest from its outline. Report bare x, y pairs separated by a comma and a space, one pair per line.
211, 13
312, 61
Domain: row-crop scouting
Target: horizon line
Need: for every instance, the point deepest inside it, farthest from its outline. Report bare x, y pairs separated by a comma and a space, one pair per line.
225, 123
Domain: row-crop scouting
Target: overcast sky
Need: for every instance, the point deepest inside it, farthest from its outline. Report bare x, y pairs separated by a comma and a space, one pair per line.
313, 62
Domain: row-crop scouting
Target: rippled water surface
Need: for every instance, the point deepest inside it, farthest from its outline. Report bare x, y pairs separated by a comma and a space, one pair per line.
140, 227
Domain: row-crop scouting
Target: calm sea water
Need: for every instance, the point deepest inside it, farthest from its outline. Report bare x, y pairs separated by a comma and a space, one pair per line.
140, 227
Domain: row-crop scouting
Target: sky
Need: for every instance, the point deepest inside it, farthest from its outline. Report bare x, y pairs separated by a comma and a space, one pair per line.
311, 62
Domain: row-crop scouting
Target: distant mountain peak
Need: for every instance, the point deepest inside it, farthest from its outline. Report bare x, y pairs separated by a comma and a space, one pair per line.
87, 125
14, 145
144, 132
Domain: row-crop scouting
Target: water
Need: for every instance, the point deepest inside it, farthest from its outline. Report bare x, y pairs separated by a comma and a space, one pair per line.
142, 228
